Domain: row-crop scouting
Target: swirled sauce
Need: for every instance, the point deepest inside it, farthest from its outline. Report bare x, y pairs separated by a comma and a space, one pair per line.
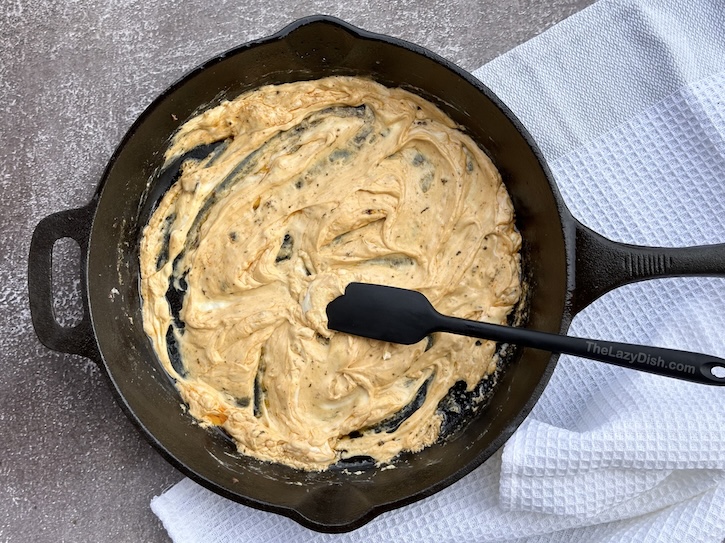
313, 185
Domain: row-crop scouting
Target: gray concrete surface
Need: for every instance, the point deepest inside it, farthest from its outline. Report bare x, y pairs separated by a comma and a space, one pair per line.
73, 77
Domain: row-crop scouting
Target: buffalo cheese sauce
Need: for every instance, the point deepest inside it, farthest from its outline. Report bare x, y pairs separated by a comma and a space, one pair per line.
313, 185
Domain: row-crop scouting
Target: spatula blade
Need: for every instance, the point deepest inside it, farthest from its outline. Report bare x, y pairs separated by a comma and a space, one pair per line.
381, 312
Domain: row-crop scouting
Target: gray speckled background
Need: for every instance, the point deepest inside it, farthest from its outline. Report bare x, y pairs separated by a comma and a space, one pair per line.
73, 77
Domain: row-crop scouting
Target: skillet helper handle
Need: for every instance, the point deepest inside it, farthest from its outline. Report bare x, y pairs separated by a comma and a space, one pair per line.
688, 366
602, 264
74, 224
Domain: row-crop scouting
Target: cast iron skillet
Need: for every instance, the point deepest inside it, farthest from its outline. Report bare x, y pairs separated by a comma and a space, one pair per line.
567, 266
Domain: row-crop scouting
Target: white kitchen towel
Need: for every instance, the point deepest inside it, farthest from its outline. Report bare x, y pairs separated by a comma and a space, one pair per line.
627, 99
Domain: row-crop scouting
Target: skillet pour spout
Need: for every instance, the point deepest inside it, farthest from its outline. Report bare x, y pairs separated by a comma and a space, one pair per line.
565, 265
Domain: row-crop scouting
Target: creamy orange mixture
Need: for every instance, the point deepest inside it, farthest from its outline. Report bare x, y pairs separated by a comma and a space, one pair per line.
317, 184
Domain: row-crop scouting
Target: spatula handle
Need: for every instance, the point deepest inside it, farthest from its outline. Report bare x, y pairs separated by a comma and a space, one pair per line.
688, 366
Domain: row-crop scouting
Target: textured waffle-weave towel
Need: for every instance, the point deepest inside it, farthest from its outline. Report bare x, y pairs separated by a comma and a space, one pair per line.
627, 100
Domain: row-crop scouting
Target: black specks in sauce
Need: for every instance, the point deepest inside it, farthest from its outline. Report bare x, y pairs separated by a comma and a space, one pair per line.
242, 402
232, 236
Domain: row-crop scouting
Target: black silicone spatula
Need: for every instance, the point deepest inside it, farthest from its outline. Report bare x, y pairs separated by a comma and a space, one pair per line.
406, 316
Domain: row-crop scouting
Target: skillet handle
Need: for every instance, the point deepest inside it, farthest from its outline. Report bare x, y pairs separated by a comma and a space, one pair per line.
74, 224
602, 264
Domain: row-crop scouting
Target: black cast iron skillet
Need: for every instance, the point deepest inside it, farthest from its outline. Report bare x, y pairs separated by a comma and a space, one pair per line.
566, 265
